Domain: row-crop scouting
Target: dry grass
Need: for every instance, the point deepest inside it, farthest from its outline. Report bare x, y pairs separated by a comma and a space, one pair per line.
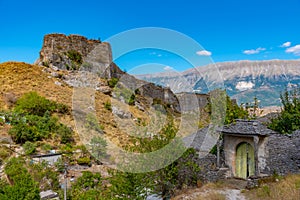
286, 189
19, 78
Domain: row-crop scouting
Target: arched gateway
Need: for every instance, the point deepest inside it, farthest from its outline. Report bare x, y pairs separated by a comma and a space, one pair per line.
244, 162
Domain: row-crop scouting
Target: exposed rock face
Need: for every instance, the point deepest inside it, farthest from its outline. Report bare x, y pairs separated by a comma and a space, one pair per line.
81, 56
75, 52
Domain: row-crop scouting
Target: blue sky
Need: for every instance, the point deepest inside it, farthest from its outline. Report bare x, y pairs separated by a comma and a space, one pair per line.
228, 30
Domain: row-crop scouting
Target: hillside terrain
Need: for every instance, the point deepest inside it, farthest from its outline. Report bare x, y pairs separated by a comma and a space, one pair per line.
76, 104
243, 80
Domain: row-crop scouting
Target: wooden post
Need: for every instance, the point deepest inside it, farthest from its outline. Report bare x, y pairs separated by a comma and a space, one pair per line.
218, 153
256, 140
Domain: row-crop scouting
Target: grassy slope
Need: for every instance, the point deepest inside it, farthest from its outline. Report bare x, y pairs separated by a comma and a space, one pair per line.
19, 78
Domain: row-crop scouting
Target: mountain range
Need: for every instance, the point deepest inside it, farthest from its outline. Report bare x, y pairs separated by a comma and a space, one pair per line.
242, 80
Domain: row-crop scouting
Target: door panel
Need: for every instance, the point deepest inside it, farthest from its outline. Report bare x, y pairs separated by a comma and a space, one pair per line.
244, 163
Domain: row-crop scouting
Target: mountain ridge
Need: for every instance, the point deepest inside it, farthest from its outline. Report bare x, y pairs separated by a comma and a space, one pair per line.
243, 80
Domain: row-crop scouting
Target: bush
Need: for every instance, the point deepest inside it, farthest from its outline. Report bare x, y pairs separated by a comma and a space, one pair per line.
84, 161
112, 82
107, 105
62, 108
29, 148
92, 123
65, 134
32, 128
33, 104
131, 100
75, 56
23, 187
46, 147
4, 153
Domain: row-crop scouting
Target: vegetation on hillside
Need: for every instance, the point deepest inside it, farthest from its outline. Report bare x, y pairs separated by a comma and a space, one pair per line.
22, 184
222, 109
289, 118
31, 120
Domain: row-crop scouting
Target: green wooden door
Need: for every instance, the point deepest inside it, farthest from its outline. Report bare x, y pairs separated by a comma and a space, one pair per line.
244, 163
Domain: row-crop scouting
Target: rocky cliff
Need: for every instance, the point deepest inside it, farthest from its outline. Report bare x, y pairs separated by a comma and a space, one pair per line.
75, 52
78, 54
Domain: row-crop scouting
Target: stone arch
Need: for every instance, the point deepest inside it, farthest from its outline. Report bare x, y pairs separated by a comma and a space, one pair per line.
244, 160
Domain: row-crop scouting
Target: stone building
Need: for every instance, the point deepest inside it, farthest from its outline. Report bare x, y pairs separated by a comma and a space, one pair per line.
246, 148
251, 149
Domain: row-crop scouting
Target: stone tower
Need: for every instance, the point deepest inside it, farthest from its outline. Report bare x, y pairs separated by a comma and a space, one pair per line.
75, 52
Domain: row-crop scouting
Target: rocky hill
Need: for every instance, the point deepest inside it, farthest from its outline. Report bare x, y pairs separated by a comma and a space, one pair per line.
70, 62
243, 80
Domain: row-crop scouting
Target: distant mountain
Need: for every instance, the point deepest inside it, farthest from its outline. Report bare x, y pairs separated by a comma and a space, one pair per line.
243, 80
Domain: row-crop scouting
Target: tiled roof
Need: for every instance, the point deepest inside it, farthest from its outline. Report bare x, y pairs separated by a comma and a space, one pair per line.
247, 127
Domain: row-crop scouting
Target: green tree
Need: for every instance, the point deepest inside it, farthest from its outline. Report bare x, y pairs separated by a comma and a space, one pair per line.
88, 186
98, 148
289, 118
22, 185
233, 111
164, 181
35, 128
222, 109
125, 185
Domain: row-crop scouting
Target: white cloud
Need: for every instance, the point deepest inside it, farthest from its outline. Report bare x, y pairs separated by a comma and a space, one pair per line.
294, 50
167, 68
204, 53
286, 44
254, 51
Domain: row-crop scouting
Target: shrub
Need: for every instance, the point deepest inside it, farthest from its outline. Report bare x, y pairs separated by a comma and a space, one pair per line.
46, 147
65, 134
33, 104
46, 63
62, 108
23, 187
107, 105
4, 153
131, 100
75, 56
84, 161
92, 123
29, 148
112, 82
2, 121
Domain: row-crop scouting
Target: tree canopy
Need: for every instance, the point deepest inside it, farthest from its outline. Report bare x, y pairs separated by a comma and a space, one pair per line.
289, 118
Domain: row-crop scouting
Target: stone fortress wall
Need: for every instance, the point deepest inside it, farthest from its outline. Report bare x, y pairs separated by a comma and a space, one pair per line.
56, 47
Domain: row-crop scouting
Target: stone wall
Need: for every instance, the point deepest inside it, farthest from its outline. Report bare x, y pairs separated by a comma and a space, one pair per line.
209, 170
283, 154
160, 93
191, 101
96, 55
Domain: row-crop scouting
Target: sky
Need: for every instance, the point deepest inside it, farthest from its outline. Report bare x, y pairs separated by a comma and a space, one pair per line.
225, 30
